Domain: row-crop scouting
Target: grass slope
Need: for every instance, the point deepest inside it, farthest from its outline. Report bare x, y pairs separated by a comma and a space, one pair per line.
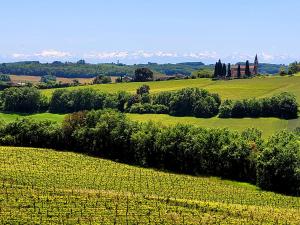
267, 125
44, 186
233, 89
10, 117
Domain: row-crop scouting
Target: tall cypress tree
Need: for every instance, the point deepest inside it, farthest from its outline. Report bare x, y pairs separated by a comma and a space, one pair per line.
216, 70
224, 72
229, 71
219, 68
247, 69
239, 71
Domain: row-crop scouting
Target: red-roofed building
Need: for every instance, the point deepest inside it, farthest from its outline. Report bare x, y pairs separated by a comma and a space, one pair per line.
253, 69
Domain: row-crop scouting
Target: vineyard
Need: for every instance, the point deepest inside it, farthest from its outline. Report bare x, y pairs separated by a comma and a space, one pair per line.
44, 186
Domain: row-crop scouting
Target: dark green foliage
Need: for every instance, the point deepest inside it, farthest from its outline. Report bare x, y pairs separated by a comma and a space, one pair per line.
163, 98
102, 80
219, 72
229, 71
239, 74
69, 70
278, 166
147, 108
204, 73
143, 74
226, 109
134, 99
48, 79
283, 105
65, 101
144, 89
293, 68
4, 78
247, 69
26, 132
224, 70
24, 100
193, 102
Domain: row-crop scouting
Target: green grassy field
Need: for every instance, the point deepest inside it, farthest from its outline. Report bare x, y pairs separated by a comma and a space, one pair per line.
41, 186
233, 89
9, 117
267, 125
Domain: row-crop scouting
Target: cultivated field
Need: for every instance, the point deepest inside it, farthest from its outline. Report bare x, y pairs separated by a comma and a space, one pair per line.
233, 89
36, 79
43, 186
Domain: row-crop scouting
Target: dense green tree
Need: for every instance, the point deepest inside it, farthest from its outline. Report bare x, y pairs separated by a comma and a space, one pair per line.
247, 69
229, 71
144, 89
143, 74
293, 68
25, 99
216, 70
5, 78
239, 74
102, 79
224, 70
48, 79
278, 166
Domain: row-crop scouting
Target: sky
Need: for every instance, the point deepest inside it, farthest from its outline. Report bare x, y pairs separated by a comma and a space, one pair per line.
140, 31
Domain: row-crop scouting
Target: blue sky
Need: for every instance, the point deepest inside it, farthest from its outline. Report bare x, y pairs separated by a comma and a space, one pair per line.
136, 31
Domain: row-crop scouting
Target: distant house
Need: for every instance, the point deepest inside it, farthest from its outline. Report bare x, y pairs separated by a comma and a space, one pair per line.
253, 69
126, 79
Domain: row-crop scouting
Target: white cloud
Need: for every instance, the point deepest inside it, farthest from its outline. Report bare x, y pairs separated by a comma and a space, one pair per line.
20, 55
267, 57
201, 55
157, 56
52, 54
106, 55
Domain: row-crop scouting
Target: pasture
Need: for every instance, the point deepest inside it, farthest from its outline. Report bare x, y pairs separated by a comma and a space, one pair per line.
36, 79
268, 126
44, 186
228, 89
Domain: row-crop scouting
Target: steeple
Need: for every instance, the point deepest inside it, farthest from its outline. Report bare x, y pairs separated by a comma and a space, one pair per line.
255, 70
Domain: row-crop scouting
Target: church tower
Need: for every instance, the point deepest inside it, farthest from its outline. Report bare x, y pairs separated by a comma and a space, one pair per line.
255, 70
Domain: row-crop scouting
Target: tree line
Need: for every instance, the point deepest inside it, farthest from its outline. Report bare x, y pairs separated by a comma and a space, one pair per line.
283, 105
185, 102
223, 71
81, 69
273, 164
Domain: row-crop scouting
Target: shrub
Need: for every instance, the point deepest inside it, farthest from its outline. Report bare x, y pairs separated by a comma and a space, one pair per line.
148, 109
226, 109
25, 132
144, 89
65, 101
278, 166
283, 105
102, 80
193, 102
24, 100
